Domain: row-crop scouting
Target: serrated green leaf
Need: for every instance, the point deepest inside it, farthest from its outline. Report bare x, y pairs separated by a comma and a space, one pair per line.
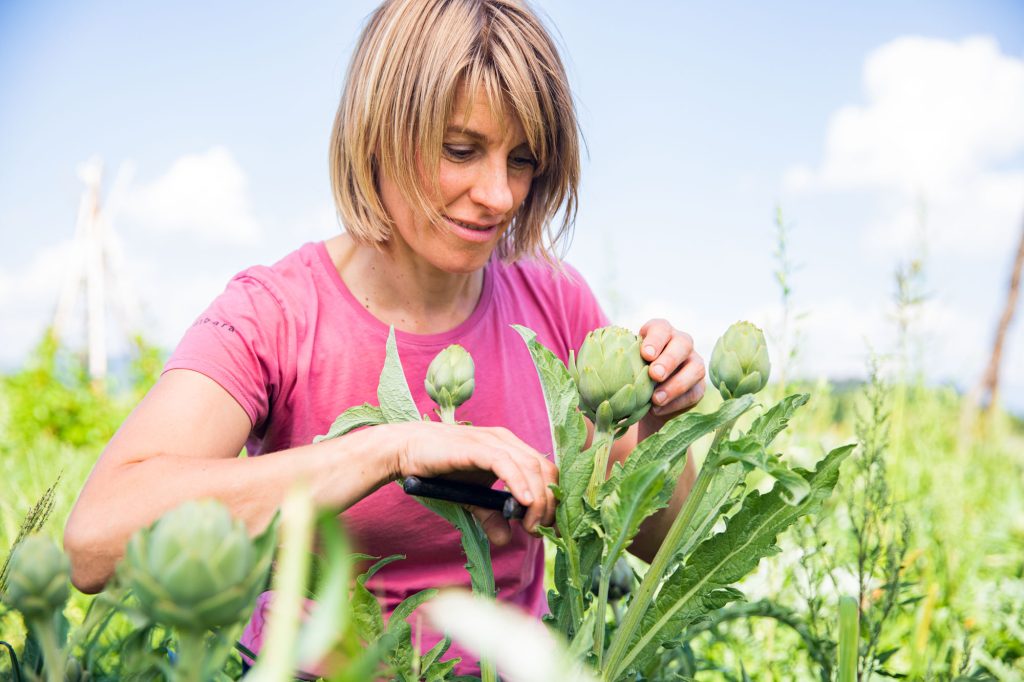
672, 441
410, 604
770, 424
726, 557
568, 429
353, 418
628, 505
393, 392
474, 543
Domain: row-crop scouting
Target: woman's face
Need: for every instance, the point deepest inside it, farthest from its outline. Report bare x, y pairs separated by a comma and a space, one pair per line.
484, 175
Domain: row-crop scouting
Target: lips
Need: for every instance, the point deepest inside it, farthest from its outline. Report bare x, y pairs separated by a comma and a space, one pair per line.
472, 226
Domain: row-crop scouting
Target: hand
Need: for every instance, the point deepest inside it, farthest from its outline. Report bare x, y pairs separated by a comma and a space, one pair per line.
677, 368
481, 454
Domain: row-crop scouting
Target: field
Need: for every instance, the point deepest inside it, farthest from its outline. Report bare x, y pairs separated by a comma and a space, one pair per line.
925, 529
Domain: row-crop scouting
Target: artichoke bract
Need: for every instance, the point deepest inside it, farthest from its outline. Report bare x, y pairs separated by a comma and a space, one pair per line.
612, 377
449, 381
739, 361
195, 568
38, 575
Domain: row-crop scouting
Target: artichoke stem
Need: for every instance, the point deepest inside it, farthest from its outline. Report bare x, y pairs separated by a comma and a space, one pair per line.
600, 623
54, 656
191, 661
447, 413
602, 449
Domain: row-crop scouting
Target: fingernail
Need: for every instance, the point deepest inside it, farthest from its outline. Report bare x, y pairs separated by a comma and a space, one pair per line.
659, 397
648, 350
527, 498
659, 371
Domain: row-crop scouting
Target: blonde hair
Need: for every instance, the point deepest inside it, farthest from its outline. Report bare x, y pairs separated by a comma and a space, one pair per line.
411, 59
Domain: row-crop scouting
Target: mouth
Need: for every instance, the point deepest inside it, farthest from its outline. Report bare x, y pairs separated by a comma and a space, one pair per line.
471, 226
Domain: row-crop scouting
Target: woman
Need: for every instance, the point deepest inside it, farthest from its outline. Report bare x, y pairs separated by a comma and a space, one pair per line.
454, 147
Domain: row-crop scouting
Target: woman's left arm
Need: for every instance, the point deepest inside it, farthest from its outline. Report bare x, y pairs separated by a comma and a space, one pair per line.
679, 373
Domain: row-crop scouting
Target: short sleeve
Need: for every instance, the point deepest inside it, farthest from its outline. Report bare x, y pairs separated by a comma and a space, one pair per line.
238, 342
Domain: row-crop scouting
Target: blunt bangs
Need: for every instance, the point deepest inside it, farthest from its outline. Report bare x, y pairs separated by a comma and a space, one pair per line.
411, 60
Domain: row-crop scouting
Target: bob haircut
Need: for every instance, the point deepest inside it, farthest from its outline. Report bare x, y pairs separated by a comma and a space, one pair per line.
411, 59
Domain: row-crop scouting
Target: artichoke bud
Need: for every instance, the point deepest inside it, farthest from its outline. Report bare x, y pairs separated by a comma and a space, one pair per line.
449, 381
739, 361
195, 568
609, 369
37, 580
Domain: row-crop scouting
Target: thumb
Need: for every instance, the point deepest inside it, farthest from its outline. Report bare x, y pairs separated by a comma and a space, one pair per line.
494, 524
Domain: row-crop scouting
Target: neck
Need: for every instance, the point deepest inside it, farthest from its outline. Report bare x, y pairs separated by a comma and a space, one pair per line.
401, 289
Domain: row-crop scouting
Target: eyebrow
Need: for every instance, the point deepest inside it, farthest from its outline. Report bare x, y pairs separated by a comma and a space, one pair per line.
474, 134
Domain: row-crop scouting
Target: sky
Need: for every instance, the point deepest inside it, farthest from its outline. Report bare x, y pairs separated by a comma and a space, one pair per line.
886, 133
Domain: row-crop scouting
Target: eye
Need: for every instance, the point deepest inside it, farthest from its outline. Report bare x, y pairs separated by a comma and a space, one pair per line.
457, 152
522, 161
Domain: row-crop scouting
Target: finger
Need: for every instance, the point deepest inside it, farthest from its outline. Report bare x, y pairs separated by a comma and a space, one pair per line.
538, 474
494, 524
688, 386
677, 351
656, 335
536, 512
550, 478
506, 467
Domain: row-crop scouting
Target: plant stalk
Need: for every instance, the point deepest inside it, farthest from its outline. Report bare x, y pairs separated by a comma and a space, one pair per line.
190, 664
604, 436
53, 653
652, 579
849, 630
602, 610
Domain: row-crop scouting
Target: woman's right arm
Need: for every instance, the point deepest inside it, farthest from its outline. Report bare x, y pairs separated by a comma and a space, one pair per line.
182, 443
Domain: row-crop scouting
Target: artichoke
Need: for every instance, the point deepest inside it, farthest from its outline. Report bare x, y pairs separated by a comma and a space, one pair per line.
37, 583
196, 568
612, 377
739, 361
449, 381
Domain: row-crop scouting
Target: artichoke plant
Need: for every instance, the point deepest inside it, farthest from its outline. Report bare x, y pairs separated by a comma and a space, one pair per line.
38, 579
449, 381
615, 388
195, 568
37, 586
739, 361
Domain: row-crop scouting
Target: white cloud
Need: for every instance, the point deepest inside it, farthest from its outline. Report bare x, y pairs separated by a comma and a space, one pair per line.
203, 195
943, 125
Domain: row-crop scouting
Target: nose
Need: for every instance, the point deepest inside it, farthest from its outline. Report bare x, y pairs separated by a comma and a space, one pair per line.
491, 188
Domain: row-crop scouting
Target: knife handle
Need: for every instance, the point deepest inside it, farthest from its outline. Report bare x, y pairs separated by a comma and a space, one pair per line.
465, 493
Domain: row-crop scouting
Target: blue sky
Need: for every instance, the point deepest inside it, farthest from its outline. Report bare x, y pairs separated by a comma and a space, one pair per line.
699, 119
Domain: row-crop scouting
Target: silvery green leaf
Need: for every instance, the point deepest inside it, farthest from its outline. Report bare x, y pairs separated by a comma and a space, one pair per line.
568, 430
353, 418
393, 392
749, 451
624, 510
474, 543
366, 610
726, 557
770, 424
671, 442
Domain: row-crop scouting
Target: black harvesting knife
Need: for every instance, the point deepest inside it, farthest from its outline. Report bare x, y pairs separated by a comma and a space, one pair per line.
465, 493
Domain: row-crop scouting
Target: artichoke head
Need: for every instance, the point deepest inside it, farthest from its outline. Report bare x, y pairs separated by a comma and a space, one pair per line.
37, 579
612, 377
195, 568
739, 361
449, 381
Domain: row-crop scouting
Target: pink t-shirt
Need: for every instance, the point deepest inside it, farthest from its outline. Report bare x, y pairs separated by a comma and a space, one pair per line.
295, 348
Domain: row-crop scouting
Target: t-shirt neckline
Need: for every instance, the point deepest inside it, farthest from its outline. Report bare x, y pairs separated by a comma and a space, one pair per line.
439, 339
